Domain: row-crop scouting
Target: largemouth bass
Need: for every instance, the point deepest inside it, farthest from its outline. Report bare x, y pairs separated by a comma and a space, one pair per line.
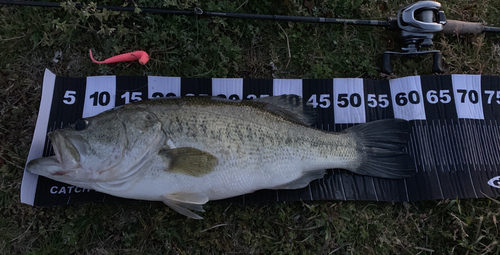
187, 151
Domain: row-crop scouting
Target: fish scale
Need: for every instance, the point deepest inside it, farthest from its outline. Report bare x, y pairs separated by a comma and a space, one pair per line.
274, 139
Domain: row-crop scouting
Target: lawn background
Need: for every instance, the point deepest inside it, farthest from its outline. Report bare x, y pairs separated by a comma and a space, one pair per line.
190, 46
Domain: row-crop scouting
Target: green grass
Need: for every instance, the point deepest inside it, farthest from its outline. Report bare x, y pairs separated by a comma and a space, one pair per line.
218, 47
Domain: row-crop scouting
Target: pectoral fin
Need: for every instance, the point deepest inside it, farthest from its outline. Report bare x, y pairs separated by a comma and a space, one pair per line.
189, 161
184, 202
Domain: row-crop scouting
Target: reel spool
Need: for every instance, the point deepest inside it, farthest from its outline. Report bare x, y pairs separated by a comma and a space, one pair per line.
418, 23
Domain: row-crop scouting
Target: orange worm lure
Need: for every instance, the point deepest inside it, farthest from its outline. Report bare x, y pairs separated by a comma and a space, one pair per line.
142, 56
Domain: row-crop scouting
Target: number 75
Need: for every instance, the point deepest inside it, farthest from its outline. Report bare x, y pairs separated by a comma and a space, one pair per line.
490, 94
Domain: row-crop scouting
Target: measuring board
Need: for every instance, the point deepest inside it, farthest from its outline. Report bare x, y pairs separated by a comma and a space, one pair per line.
455, 133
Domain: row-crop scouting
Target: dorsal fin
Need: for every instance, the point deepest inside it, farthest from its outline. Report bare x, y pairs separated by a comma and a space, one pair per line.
291, 107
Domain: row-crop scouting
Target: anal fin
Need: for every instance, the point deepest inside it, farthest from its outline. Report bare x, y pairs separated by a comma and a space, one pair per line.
303, 181
184, 202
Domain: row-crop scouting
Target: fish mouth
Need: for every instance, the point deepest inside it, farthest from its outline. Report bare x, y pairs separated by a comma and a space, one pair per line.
47, 166
51, 168
69, 150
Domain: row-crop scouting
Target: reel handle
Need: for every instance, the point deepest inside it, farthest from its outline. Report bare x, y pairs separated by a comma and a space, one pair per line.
386, 64
437, 63
437, 60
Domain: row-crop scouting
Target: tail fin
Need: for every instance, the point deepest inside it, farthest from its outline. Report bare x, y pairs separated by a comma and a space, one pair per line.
382, 144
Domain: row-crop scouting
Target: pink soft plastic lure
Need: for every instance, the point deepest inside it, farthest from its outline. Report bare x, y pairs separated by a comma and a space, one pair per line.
142, 56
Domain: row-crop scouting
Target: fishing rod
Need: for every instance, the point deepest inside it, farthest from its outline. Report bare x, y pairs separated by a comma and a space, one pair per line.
417, 23
199, 11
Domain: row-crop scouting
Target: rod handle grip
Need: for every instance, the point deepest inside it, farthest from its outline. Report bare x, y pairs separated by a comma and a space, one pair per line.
462, 27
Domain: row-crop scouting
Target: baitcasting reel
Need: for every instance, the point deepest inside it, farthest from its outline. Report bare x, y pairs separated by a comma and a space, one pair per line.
418, 23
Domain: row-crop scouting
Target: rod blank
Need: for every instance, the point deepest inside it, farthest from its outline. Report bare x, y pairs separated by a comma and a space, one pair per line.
218, 14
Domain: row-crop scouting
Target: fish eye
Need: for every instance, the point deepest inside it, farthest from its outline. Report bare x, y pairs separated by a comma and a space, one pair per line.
81, 124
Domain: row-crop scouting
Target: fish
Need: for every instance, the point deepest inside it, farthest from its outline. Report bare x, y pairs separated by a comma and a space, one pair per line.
187, 151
